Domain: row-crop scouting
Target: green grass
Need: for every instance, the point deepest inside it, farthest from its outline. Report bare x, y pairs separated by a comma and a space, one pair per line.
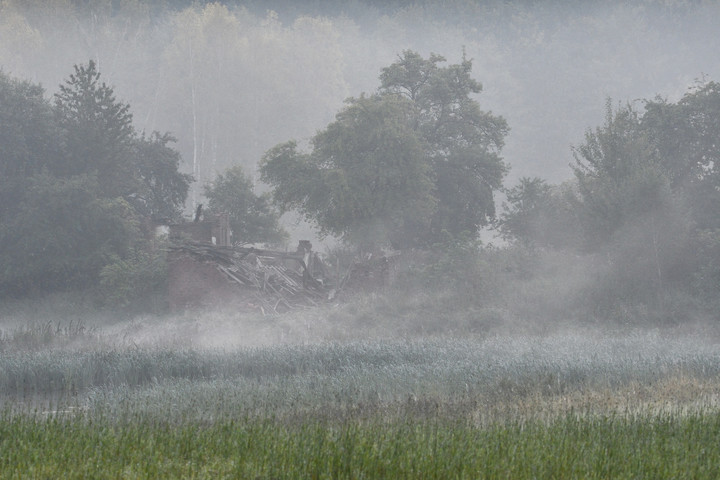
634, 404
619, 446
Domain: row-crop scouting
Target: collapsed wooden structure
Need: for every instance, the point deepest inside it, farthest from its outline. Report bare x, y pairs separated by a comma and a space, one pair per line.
248, 278
205, 270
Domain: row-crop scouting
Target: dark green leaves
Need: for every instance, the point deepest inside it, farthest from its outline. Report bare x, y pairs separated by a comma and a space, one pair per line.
252, 218
417, 159
75, 183
98, 131
367, 179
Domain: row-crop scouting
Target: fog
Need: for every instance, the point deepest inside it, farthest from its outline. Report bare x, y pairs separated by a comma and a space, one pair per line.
232, 81
574, 294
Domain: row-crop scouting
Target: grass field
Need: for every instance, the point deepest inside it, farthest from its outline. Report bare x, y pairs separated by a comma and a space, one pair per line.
259, 399
618, 446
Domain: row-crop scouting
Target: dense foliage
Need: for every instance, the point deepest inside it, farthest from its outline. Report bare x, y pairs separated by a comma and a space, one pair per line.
405, 166
77, 183
645, 197
641, 208
252, 217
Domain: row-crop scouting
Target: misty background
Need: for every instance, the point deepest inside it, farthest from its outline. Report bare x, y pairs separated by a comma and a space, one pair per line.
230, 80
579, 283
630, 233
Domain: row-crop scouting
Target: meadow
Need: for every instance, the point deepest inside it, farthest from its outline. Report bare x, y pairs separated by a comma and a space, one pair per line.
213, 395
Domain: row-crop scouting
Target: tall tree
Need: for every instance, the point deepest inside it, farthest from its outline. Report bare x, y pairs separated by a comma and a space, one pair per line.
407, 165
630, 210
619, 178
29, 141
161, 187
462, 141
539, 214
367, 179
252, 217
77, 180
98, 131
28, 134
685, 135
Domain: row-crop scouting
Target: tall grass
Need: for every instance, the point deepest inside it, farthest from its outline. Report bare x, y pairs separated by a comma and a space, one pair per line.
618, 446
473, 379
94, 402
38, 336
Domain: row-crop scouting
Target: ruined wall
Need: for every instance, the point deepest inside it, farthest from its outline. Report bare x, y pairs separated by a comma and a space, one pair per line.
201, 274
195, 284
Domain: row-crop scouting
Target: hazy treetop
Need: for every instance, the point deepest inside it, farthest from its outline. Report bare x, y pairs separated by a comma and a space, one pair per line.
265, 71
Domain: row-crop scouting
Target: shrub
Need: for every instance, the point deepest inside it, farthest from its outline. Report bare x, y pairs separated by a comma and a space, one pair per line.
135, 281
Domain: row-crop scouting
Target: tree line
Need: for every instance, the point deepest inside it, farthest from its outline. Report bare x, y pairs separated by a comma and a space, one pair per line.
81, 191
644, 200
76, 182
222, 75
415, 164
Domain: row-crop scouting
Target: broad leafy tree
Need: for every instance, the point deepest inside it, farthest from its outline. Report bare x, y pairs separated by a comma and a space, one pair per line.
640, 163
619, 178
253, 219
29, 140
161, 187
367, 179
632, 209
408, 165
685, 135
462, 142
28, 134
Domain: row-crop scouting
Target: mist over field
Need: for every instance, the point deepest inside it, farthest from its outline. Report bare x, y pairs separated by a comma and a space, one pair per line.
359, 238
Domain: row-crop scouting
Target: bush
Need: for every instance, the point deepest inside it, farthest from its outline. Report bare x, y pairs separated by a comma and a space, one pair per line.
137, 281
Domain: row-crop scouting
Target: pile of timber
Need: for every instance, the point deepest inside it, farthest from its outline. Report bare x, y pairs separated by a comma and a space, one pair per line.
279, 281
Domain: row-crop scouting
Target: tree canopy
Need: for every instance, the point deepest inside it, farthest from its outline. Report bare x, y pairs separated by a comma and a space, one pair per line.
407, 165
77, 182
252, 217
538, 214
97, 131
645, 196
